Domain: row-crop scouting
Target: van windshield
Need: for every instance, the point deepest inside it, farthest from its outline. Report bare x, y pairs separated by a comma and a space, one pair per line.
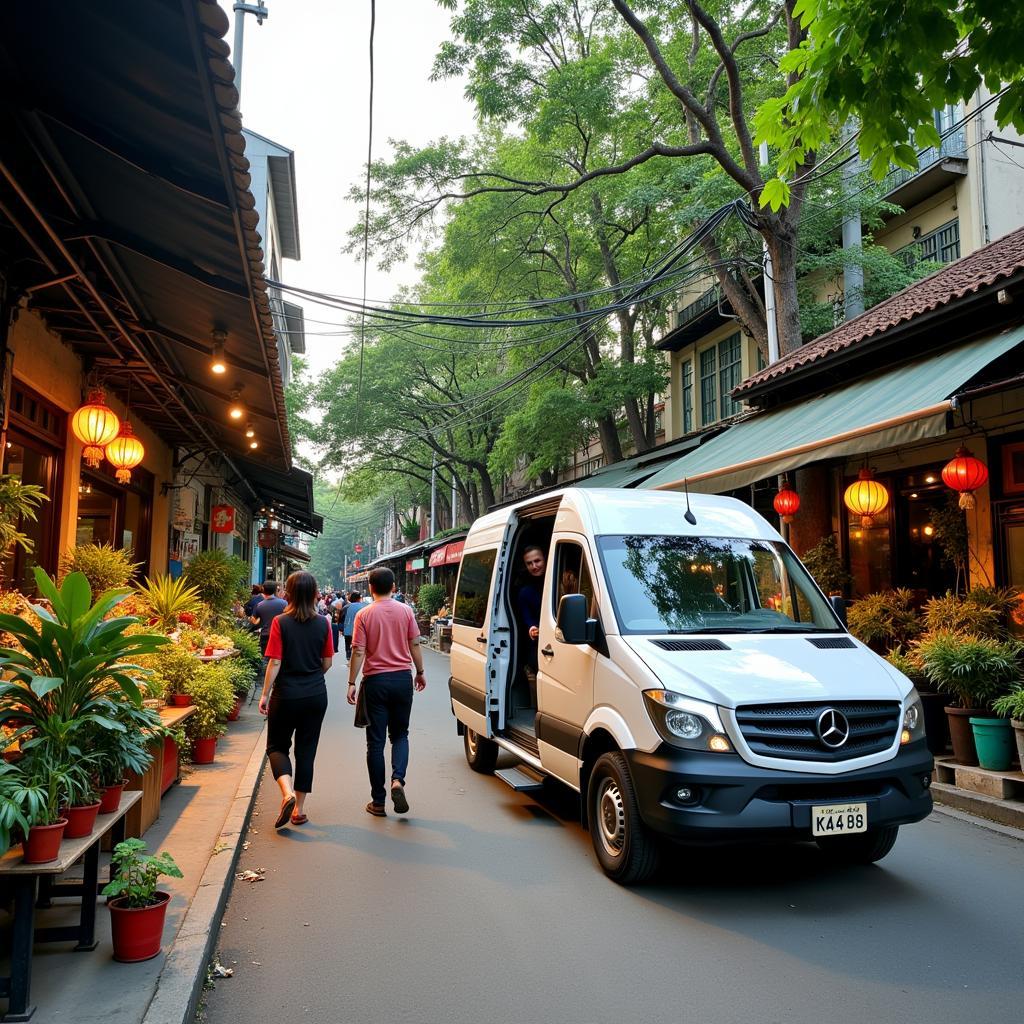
711, 585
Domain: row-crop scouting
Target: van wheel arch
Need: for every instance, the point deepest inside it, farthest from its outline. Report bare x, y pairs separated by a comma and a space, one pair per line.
599, 742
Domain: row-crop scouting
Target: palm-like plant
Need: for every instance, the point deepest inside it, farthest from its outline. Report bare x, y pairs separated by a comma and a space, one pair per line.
168, 598
74, 668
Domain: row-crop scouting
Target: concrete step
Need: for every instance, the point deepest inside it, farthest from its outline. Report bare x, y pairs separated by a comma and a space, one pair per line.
1006, 812
1000, 785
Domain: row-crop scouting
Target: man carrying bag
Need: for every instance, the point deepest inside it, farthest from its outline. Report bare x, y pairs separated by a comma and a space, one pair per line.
385, 642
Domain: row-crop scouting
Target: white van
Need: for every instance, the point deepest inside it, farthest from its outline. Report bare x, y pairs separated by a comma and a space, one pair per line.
692, 681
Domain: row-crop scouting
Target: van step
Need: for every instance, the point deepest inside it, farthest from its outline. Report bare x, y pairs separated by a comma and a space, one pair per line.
521, 779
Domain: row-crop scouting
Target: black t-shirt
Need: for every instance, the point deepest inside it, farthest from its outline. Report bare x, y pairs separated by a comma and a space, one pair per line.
266, 611
303, 645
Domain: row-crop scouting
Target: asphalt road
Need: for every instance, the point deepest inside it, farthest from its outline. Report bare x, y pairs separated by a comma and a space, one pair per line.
487, 905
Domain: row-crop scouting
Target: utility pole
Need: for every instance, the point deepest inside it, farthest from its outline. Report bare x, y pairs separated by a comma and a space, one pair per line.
241, 10
433, 507
853, 273
769, 286
455, 501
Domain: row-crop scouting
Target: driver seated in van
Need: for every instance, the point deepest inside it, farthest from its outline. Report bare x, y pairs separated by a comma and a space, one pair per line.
528, 603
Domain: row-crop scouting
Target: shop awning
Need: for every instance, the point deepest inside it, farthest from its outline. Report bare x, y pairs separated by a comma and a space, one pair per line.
447, 554
897, 407
632, 472
289, 494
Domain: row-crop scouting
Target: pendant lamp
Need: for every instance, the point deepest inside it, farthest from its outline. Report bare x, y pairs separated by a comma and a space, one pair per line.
786, 502
965, 474
95, 424
125, 453
866, 497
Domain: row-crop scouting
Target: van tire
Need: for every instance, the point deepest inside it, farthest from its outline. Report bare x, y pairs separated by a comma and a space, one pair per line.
481, 753
626, 850
865, 848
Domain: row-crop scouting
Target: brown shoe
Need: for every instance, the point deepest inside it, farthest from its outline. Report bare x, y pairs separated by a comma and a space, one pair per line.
377, 810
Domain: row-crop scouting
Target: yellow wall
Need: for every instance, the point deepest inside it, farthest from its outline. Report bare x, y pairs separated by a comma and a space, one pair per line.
47, 365
928, 215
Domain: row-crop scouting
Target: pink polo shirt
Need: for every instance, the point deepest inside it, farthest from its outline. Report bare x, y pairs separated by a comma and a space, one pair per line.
383, 630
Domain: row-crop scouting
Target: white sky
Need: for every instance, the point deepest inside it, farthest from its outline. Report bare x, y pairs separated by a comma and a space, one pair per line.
305, 85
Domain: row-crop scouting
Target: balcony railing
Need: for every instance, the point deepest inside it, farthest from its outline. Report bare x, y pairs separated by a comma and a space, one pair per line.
954, 144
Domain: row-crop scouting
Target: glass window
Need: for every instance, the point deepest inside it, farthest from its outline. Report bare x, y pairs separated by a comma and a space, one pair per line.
730, 371
939, 246
573, 577
711, 585
474, 588
686, 391
708, 387
32, 466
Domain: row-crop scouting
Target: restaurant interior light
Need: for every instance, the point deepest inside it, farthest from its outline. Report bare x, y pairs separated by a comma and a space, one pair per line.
236, 410
218, 364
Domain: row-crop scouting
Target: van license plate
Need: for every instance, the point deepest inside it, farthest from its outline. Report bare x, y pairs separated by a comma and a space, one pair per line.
839, 819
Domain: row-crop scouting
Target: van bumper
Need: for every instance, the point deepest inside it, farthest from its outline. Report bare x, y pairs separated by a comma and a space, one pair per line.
736, 800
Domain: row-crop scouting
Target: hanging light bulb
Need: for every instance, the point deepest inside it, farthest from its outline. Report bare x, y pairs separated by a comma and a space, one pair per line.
250, 430
95, 424
125, 453
254, 444
218, 364
236, 410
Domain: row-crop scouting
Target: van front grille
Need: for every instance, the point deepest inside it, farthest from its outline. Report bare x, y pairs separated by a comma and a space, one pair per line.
807, 732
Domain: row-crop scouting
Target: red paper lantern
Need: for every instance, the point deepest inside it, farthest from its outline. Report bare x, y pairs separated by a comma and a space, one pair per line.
359, 549
866, 497
786, 502
965, 474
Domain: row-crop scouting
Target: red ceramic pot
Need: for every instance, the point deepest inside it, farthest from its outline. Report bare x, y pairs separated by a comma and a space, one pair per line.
111, 799
208, 651
236, 710
43, 842
181, 700
81, 820
187, 618
204, 750
137, 931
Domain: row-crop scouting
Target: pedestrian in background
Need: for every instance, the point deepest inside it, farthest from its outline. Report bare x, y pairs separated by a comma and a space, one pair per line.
264, 613
299, 651
337, 614
385, 643
348, 622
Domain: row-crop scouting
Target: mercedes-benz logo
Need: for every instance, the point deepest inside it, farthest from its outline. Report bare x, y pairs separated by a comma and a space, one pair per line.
833, 728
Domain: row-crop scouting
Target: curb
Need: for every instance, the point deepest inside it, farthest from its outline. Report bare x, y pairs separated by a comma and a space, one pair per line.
1004, 812
183, 976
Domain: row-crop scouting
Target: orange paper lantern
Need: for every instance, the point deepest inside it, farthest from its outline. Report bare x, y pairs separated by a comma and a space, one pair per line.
866, 497
95, 424
965, 473
125, 453
786, 502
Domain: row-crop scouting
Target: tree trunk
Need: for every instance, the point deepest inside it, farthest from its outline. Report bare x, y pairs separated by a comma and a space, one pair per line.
637, 430
486, 487
609, 435
781, 245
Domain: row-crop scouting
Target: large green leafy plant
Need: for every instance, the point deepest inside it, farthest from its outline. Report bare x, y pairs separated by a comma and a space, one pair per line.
213, 697
73, 668
168, 599
137, 873
105, 567
217, 577
976, 669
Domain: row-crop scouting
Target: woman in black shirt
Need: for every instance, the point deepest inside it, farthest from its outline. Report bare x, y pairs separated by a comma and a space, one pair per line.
299, 652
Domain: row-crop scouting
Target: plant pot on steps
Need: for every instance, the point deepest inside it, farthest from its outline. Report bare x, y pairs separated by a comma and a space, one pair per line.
236, 710
81, 820
137, 931
111, 799
43, 842
936, 724
961, 735
204, 750
993, 739
181, 700
1018, 733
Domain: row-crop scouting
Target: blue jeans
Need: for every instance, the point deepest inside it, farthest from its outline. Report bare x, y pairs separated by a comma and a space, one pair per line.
388, 705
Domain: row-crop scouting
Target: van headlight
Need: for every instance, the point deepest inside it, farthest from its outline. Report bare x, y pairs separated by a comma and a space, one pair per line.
688, 723
913, 720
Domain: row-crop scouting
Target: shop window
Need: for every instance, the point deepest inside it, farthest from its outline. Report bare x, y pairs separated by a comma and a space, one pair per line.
687, 396
115, 514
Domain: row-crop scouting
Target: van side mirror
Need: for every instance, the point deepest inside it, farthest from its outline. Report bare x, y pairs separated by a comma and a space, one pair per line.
573, 626
839, 607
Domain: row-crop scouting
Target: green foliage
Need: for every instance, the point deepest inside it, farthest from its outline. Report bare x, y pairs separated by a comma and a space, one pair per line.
13, 819
42, 783
18, 502
213, 695
950, 526
71, 672
411, 530
137, 873
905, 661
851, 58
105, 567
976, 669
885, 620
173, 668
168, 598
826, 566
954, 614
120, 751
217, 577
431, 598
248, 646
1011, 705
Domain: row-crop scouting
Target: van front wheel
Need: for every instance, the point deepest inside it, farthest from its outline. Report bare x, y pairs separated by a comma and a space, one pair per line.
865, 848
481, 753
626, 850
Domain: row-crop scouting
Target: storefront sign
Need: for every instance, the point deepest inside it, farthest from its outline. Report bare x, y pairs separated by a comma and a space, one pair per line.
417, 564
184, 508
189, 547
268, 538
222, 519
437, 556
453, 553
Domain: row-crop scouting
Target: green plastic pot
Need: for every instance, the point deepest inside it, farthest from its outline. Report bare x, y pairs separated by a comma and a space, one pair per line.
993, 738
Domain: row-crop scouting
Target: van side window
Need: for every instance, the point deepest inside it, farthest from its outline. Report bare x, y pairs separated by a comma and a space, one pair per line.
474, 588
572, 576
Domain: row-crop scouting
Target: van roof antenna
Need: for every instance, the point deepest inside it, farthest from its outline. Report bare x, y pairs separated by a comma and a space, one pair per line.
689, 517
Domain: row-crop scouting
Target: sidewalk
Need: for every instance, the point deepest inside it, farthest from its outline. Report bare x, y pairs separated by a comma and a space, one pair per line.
200, 825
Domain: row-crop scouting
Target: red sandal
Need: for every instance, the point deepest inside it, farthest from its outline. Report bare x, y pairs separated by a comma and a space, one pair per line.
299, 819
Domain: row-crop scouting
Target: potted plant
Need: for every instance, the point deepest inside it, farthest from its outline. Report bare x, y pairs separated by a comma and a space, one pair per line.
976, 670
936, 721
13, 821
242, 678
1012, 705
217, 576
884, 621
137, 908
175, 667
213, 699
169, 601
124, 750
105, 567
40, 790
83, 798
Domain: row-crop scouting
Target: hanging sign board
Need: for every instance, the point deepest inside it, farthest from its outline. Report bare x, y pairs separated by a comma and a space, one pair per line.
268, 538
222, 519
437, 556
184, 508
453, 552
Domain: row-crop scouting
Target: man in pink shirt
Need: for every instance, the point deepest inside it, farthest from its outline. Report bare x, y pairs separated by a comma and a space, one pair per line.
385, 641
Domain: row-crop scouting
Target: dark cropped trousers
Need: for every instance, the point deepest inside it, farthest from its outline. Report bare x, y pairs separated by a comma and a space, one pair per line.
301, 718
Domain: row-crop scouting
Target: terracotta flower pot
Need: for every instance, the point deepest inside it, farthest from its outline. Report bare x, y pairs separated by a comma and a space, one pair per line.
962, 735
204, 750
236, 710
43, 842
111, 799
181, 700
208, 652
81, 820
137, 931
